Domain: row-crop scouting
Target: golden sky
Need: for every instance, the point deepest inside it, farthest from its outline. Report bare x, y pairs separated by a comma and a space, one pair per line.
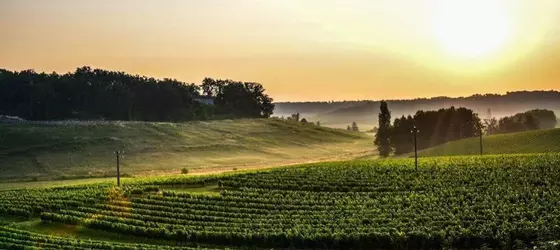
298, 49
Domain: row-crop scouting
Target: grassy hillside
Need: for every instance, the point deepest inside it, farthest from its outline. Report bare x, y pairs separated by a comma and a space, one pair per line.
542, 141
86, 150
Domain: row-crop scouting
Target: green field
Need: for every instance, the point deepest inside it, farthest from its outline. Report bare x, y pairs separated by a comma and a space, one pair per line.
540, 141
38, 152
448, 202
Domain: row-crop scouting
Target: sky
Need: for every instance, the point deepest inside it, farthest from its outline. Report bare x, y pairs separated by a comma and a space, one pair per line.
300, 50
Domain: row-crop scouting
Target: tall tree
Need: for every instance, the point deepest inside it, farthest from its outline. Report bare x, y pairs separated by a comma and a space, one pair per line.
384, 131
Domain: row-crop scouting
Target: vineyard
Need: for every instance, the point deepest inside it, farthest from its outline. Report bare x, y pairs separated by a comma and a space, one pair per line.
538, 141
448, 202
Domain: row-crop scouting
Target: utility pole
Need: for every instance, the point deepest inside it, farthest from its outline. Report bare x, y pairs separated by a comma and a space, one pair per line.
414, 132
118, 168
480, 132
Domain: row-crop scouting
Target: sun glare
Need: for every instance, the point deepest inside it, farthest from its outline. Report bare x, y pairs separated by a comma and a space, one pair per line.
473, 28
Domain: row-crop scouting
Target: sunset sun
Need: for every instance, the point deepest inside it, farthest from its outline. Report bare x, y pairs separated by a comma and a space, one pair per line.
471, 29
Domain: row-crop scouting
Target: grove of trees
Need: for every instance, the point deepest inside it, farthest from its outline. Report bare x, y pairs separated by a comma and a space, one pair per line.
434, 128
526, 121
97, 94
444, 125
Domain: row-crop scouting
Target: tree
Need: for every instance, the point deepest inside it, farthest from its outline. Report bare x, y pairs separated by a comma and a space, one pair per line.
382, 138
295, 117
529, 120
355, 127
491, 126
401, 139
546, 119
303, 121
348, 128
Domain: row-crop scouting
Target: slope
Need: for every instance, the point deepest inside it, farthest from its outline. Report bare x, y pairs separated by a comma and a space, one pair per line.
540, 141
85, 149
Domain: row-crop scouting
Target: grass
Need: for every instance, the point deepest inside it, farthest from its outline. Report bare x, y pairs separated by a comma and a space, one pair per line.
541, 141
79, 232
34, 152
56, 183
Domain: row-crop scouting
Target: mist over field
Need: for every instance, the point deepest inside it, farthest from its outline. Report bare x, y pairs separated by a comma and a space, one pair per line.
341, 114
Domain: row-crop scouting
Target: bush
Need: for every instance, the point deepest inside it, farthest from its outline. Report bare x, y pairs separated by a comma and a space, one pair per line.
185, 171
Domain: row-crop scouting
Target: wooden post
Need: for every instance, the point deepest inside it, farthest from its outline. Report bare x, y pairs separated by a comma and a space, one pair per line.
480, 132
118, 169
414, 131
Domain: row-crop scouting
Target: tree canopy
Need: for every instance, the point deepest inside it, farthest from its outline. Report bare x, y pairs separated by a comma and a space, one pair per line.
434, 128
526, 121
97, 94
382, 137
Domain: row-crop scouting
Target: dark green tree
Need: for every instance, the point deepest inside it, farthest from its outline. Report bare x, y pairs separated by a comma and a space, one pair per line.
382, 137
355, 127
401, 139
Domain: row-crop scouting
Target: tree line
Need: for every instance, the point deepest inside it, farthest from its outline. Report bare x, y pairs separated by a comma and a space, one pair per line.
360, 112
520, 122
437, 127
97, 94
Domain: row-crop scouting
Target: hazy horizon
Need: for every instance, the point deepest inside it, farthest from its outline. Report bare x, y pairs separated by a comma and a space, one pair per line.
300, 51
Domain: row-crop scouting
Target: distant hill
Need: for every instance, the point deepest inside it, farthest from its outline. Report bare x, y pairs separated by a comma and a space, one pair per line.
340, 114
541, 141
75, 149
310, 109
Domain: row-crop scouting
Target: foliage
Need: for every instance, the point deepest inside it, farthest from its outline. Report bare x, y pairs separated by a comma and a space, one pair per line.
354, 127
539, 141
402, 140
491, 126
435, 128
294, 117
241, 99
97, 94
19, 239
526, 121
382, 137
546, 118
449, 202
184, 171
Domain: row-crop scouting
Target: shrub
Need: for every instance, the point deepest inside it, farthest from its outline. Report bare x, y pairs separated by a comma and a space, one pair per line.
185, 171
